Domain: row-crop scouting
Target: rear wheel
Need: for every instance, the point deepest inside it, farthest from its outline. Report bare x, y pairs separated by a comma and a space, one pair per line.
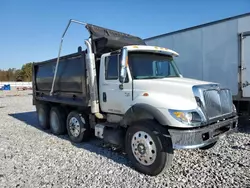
150, 152
57, 121
78, 127
43, 115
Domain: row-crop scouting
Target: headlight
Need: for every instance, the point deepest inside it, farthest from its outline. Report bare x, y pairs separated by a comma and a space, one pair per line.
187, 117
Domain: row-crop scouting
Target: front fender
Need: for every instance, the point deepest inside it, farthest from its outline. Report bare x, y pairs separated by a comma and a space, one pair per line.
167, 101
143, 111
155, 106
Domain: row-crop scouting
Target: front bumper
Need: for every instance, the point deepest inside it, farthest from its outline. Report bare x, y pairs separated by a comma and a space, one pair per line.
203, 136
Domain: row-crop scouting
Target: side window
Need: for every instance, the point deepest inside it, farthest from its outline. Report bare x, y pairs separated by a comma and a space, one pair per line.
111, 67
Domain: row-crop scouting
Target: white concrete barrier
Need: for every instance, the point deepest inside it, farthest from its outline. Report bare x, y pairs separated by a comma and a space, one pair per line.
17, 84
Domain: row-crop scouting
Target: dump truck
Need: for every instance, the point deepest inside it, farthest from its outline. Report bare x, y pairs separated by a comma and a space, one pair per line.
132, 96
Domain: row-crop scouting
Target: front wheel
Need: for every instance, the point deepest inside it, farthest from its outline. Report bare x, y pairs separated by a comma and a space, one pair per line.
149, 151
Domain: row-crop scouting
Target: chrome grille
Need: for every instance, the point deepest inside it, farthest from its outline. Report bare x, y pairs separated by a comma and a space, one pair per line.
218, 102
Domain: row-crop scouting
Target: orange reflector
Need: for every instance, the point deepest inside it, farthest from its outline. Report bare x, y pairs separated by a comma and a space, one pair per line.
145, 94
135, 46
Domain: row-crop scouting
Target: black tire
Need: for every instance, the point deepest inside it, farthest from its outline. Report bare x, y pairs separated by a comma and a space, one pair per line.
57, 121
43, 116
84, 128
208, 146
163, 145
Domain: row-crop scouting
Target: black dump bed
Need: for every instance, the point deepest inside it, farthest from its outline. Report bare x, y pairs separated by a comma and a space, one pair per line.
70, 84
106, 40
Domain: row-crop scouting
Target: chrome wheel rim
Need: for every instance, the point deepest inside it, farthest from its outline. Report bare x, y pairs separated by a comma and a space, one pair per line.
143, 148
54, 121
74, 127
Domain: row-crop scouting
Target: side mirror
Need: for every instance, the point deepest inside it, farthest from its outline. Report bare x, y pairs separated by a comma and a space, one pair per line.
123, 63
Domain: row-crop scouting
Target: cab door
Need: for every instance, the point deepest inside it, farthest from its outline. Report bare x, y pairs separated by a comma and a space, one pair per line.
114, 97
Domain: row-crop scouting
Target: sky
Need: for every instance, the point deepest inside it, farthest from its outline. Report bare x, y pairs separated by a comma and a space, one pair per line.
30, 31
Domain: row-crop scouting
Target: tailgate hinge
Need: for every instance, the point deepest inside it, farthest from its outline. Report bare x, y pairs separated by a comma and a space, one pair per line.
242, 68
245, 84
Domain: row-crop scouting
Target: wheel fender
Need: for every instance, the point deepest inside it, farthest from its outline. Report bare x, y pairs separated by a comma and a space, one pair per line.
141, 111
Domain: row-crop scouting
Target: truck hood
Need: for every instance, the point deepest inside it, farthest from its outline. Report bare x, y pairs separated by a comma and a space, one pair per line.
169, 90
185, 81
173, 83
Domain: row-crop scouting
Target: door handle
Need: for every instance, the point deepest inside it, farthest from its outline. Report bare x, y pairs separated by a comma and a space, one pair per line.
121, 86
104, 97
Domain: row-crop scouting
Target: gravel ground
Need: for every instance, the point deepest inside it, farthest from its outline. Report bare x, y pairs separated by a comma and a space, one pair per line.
30, 157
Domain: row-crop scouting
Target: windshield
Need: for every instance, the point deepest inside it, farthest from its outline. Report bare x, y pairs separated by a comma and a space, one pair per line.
151, 66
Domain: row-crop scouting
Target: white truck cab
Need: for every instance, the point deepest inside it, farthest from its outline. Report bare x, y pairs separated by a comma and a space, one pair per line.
116, 95
140, 83
138, 100
140, 74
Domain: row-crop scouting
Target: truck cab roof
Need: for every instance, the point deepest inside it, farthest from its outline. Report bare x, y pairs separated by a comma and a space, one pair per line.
154, 49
